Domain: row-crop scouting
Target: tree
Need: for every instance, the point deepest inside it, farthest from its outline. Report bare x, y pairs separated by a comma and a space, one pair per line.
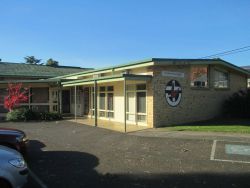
32, 60
16, 95
51, 62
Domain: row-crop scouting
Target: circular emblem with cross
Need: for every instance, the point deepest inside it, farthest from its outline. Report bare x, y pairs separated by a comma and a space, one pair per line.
173, 93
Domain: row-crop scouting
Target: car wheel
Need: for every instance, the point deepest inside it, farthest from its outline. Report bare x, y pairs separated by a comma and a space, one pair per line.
4, 184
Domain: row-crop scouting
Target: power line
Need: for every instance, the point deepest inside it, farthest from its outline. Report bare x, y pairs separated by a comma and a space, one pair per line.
229, 52
236, 52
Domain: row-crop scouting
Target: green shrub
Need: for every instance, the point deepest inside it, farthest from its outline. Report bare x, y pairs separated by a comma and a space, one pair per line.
16, 115
49, 116
30, 115
238, 105
24, 114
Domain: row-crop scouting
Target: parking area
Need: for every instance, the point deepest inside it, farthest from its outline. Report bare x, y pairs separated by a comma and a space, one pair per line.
231, 151
67, 154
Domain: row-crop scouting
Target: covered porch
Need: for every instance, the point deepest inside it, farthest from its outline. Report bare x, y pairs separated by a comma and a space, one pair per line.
122, 103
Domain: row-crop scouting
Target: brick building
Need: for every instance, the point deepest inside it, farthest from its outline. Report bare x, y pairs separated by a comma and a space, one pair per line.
150, 93
155, 92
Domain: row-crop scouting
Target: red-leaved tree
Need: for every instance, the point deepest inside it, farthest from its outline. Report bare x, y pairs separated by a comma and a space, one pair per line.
16, 95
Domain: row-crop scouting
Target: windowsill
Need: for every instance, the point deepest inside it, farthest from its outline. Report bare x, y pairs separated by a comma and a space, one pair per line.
106, 118
200, 88
221, 89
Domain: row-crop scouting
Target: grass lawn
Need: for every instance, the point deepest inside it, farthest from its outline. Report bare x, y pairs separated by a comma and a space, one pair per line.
221, 125
212, 128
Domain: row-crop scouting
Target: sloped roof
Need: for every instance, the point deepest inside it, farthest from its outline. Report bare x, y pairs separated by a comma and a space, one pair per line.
164, 61
38, 71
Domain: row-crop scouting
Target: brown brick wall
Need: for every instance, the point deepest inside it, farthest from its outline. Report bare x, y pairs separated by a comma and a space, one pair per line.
196, 104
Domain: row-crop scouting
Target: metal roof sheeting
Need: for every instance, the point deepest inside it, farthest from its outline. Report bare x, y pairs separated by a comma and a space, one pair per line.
41, 71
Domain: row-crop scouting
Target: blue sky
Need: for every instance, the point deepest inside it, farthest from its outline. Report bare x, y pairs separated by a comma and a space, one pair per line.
98, 33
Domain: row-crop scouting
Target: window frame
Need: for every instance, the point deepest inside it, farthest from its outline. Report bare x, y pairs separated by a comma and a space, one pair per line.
106, 111
228, 79
207, 86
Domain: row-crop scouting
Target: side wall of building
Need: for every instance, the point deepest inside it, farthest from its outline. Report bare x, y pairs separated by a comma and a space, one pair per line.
196, 103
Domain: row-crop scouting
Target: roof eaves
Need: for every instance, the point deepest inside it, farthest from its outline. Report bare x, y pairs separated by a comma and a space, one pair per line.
129, 76
29, 81
198, 61
168, 61
25, 75
108, 68
244, 71
91, 79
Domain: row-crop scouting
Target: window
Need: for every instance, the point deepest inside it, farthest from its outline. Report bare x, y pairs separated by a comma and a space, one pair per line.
110, 105
3, 94
110, 88
92, 101
102, 101
39, 99
221, 79
110, 101
141, 102
40, 95
141, 106
106, 101
199, 76
102, 88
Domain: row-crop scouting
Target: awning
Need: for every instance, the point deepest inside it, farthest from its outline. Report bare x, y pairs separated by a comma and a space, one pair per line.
107, 79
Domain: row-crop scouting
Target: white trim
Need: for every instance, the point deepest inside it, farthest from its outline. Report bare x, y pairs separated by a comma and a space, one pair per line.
231, 161
134, 66
213, 150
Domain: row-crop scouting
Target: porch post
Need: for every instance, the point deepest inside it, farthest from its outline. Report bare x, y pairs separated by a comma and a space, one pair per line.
125, 105
95, 101
59, 106
60, 99
75, 103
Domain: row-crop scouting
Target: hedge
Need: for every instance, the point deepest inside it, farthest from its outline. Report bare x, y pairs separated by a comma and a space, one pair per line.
238, 105
23, 114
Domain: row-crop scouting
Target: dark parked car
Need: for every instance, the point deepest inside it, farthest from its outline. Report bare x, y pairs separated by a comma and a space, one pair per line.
13, 138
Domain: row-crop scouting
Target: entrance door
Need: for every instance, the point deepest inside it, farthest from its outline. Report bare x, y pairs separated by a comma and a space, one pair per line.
65, 101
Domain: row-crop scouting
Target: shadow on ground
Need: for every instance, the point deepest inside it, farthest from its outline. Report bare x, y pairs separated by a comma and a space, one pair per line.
70, 169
